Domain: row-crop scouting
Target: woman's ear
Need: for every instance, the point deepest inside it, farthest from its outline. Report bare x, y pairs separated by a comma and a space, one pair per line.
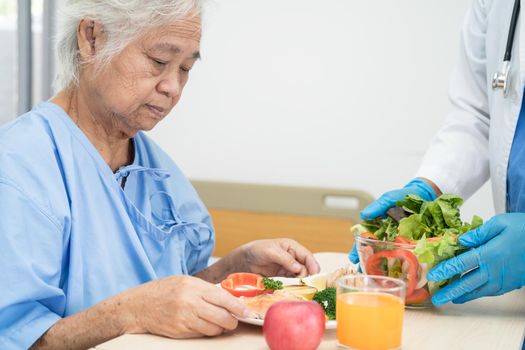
89, 37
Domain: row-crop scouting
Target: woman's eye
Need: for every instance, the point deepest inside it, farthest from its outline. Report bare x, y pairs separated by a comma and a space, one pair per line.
185, 69
158, 62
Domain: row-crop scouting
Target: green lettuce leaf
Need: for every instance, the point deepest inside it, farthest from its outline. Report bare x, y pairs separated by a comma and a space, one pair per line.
449, 204
476, 222
391, 229
372, 225
412, 227
428, 219
411, 203
435, 251
425, 251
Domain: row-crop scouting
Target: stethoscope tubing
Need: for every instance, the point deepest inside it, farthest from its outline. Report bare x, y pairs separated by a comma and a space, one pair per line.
512, 31
500, 80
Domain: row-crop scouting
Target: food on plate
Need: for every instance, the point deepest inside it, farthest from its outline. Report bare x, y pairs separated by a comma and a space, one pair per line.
259, 305
324, 280
261, 295
326, 284
302, 290
327, 299
416, 236
318, 281
244, 284
294, 325
271, 284
334, 276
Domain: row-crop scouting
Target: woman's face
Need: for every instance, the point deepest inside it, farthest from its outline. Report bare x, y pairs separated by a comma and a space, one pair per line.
141, 85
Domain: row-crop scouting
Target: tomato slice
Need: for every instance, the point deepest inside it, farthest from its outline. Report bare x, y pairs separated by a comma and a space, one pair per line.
403, 240
373, 266
243, 284
419, 296
368, 235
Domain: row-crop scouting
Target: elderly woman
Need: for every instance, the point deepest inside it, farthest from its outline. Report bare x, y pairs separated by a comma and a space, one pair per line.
100, 232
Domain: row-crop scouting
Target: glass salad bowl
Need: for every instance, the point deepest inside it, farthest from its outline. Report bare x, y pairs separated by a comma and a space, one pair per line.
415, 236
397, 260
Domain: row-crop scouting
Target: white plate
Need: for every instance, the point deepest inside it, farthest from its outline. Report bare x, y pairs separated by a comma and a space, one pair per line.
330, 324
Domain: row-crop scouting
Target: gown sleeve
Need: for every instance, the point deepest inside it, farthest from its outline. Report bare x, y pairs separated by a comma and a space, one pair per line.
31, 254
457, 160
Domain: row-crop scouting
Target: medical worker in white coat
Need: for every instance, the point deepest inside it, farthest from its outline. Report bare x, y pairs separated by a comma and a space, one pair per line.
484, 137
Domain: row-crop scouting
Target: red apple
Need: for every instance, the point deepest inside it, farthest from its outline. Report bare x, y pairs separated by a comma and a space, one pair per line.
294, 325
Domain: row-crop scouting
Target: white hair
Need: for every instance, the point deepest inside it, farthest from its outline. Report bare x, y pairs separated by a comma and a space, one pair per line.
123, 21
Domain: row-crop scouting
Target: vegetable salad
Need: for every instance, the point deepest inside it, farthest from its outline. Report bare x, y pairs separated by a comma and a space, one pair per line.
416, 236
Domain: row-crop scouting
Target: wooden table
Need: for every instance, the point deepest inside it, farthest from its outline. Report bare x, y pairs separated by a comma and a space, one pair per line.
488, 323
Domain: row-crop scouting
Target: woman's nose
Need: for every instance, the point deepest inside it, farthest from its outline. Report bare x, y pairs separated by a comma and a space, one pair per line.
170, 85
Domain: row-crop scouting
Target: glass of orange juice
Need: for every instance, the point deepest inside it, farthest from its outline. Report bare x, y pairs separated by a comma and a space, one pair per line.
369, 312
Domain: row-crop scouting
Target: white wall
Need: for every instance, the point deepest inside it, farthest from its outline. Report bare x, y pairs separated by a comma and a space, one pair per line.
337, 93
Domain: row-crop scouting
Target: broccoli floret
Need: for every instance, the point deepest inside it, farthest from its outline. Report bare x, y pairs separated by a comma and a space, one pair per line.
326, 298
271, 284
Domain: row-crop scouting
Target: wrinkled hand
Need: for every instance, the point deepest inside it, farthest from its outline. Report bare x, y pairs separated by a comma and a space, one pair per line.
181, 307
495, 265
389, 199
279, 257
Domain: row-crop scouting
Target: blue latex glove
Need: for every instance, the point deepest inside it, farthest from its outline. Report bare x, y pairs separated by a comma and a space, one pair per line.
353, 256
388, 200
497, 262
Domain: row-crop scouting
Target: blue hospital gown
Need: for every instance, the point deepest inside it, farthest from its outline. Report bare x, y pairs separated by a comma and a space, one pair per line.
70, 236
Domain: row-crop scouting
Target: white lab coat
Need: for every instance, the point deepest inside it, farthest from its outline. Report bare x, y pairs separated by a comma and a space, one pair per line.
476, 140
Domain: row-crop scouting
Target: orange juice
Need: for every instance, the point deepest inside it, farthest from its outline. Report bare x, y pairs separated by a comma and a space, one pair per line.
369, 321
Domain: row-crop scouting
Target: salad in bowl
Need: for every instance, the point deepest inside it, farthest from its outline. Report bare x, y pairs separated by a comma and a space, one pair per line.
414, 237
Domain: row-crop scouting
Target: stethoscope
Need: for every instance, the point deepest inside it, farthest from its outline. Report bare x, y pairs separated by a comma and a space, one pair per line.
501, 78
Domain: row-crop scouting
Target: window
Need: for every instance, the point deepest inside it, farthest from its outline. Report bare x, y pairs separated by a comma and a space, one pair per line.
26, 58
8, 60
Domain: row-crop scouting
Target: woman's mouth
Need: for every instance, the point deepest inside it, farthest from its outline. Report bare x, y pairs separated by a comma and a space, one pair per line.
157, 111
